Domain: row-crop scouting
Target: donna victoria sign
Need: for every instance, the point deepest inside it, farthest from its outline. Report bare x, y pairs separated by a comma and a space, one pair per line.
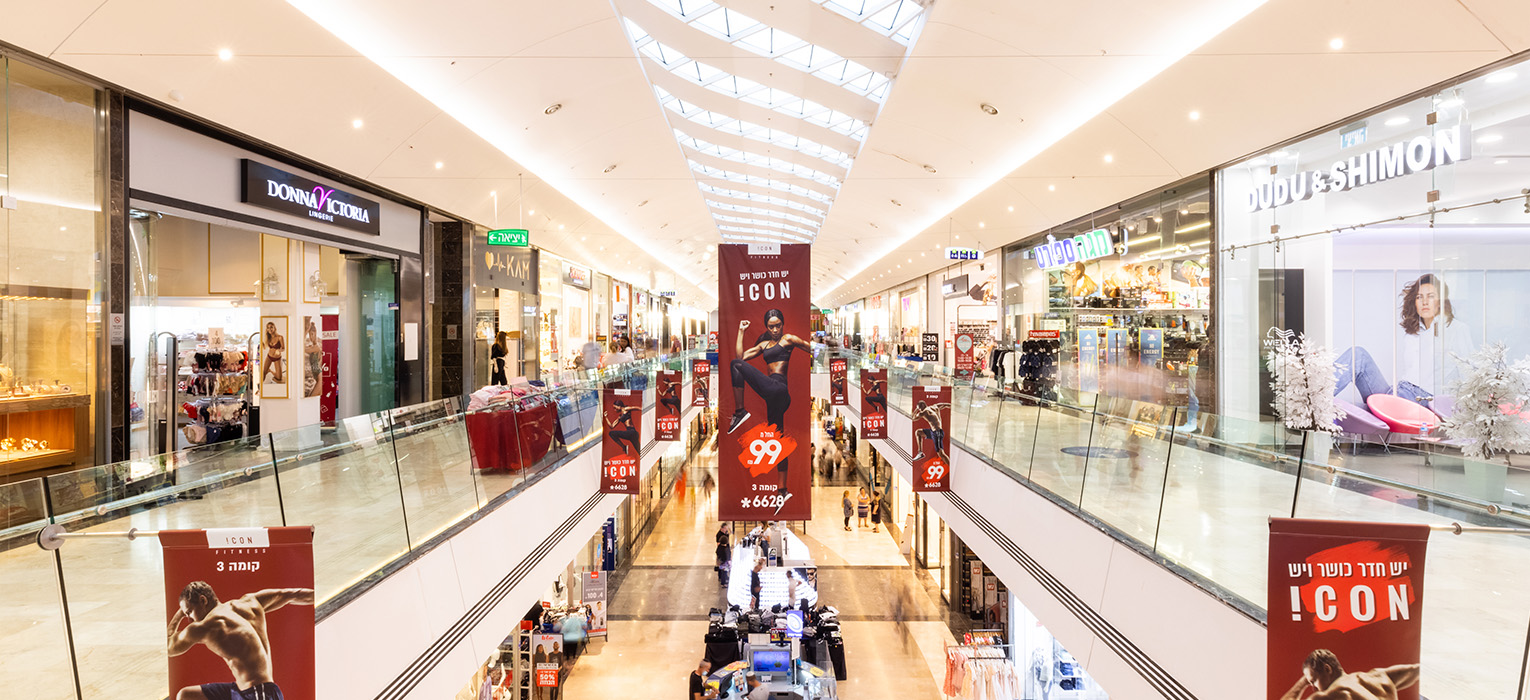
278, 190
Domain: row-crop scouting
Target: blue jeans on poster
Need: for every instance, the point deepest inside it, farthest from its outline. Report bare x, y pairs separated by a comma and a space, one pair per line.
1357, 364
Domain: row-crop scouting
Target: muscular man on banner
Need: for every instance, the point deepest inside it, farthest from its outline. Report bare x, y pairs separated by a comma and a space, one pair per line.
936, 433
775, 346
1322, 672
235, 630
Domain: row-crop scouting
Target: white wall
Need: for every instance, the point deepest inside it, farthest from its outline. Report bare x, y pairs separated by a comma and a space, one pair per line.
1209, 647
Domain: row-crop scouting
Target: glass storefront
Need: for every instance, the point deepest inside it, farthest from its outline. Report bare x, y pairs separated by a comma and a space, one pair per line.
53, 284
504, 301
1125, 295
1398, 241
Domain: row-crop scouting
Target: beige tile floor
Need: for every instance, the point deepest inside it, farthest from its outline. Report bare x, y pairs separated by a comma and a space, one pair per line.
659, 612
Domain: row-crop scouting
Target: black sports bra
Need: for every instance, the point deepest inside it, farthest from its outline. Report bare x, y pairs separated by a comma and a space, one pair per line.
626, 417
779, 352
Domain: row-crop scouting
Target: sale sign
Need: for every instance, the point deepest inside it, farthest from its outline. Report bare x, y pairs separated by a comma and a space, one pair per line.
547, 659
667, 420
964, 361
837, 394
763, 313
932, 445
874, 404
701, 383
240, 609
1346, 604
621, 446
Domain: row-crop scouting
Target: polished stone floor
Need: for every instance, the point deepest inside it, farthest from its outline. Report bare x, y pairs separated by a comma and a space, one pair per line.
658, 615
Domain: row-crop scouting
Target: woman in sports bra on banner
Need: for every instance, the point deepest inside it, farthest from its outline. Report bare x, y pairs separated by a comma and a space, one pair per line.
628, 432
775, 346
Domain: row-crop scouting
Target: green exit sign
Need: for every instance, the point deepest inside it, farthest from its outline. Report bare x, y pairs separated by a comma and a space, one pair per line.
510, 236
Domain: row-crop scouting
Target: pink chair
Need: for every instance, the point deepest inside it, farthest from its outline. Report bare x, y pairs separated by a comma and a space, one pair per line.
1401, 415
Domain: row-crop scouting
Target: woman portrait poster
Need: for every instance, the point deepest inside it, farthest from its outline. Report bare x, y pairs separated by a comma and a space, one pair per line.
763, 362
1414, 356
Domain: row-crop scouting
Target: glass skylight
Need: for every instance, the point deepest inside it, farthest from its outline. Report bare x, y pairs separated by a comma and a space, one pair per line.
763, 232
755, 159
761, 211
758, 197
757, 181
763, 223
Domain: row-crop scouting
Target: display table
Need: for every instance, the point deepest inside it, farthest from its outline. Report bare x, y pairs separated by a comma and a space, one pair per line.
512, 436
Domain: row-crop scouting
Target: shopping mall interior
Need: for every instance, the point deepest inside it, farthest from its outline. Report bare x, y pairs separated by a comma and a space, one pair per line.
384, 351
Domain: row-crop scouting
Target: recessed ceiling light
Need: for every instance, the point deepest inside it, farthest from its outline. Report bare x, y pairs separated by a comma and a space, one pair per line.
1336, 43
611, 167
581, 238
1011, 208
1157, 219
226, 54
531, 212
560, 227
63, 228
982, 225
929, 168
356, 123
440, 165
1184, 212
1051, 188
493, 193
1502, 76
553, 108
1396, 121
1490, 138
988, 109
1195, 116
1109, 158
602, 248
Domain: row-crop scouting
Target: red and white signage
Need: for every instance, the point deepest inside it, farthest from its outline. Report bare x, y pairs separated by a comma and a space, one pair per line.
1044, 335
874, 404
1346, 608
701, 383
964, 357
667, 416
621, 446
838, 394
932, 444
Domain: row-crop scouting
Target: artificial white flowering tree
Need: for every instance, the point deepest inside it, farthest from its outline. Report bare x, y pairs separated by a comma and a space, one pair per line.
1304, 380
1491, 397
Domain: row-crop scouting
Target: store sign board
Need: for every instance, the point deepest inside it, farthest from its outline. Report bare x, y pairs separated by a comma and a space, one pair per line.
576, 276
1050, 335
518, 237
965, 361
954, 287
1081, 248
929, 346
1446, 146
1346, 602
963, 254
503, 267
278, 190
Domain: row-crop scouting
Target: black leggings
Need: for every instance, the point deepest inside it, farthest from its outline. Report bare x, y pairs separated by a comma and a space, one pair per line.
877, 400
771, 388
673, 403
628, 436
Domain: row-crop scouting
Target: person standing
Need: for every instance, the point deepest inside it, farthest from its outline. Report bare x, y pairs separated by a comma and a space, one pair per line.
876, 511
498, 360
862, 508
699, 690
755, 585
849, 507
724, 555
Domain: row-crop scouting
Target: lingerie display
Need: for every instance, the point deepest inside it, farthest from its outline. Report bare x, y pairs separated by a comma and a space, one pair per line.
214, 391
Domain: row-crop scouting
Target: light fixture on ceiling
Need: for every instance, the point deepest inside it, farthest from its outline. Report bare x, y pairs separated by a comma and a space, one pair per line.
1184, 212
1396, 121
1011, 207
610, 167
1490, 138
553, 108
602, 249
1193, 227
644, 202
440, 165
1195, 115
1109, 158
982, 225
63, 228
581, 238
989, 109
896, 203
356, 123
560, 227
226, 54
1051, 188
1336, 43
531, 212
1157, 219
929, 168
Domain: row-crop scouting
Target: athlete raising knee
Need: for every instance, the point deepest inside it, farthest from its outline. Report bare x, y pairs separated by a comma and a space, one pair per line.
775, 346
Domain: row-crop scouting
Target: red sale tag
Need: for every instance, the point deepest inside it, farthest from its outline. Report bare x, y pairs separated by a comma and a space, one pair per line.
764, 448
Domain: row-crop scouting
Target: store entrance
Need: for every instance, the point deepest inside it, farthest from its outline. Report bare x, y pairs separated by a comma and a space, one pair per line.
234, 332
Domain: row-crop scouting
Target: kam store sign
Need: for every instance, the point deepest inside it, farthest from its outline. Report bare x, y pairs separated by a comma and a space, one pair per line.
278, 190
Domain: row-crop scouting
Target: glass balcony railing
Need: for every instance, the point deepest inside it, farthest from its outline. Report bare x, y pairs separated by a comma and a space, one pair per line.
1195, 491
379, 489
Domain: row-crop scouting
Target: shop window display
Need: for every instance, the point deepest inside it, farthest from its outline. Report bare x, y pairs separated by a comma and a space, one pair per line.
1121, 302
51, 171
1382, 241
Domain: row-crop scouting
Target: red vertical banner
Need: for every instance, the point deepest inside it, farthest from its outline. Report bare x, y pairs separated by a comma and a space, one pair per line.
701, 383
240, 609
932, 444
621, 446
667, 418
964, 361
764, 358
838, 396
874, 404
329, 341
1346, 608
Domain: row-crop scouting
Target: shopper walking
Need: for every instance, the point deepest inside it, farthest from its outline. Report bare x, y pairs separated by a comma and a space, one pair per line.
573, 629
862, 508
755, 585
699, 690
724, 554
849, 507
876, 511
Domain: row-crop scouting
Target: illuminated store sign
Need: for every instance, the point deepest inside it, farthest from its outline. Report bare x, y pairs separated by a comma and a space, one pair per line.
963, 254
1446, 146
1054, 253
279, 190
